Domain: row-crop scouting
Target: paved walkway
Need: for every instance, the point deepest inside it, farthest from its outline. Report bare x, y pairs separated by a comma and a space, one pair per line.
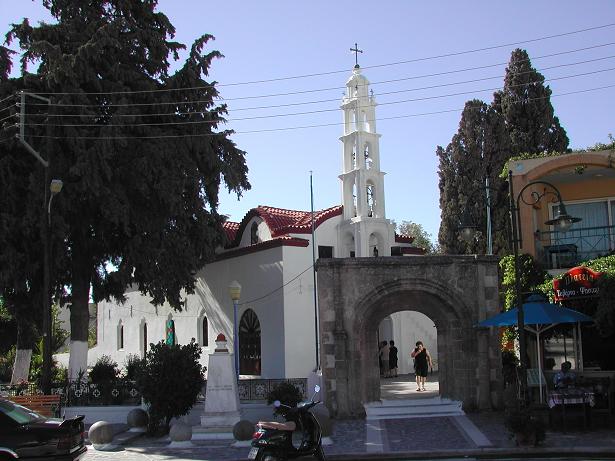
469, 436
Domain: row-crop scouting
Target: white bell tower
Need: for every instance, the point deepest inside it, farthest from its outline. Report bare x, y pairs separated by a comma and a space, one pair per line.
364, 231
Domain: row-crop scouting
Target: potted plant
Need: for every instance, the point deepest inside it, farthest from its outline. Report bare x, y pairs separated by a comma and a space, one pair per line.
528, 429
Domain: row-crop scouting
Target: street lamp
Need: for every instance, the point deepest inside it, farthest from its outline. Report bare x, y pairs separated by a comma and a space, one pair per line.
234, 290
55, 186
562, 222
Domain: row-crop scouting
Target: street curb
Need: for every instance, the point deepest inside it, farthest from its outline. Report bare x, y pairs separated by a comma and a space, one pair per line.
484, 453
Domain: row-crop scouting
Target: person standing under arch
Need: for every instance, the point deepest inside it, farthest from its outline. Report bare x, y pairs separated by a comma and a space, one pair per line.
422, 364
392, 359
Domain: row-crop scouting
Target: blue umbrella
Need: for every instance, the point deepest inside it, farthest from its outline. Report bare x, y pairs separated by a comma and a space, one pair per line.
537, 312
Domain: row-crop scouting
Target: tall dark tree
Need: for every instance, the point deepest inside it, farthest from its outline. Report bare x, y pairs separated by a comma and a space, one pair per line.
476, 153
138, 148
525, 105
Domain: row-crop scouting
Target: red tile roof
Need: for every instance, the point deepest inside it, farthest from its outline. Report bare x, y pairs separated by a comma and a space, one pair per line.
267, 244
280, 221
230, 229
403, 238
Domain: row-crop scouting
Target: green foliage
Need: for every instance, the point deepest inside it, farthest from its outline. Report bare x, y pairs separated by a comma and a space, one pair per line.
532, 277
7, 360
519, 120
133, 366
477, 151
170, 381
141, 189
510, 362
104, 371
287, 393
422, 239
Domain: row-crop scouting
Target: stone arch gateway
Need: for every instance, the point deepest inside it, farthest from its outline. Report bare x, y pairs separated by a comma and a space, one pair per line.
456, 292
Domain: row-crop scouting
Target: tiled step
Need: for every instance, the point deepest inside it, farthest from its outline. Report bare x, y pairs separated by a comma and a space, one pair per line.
413, 408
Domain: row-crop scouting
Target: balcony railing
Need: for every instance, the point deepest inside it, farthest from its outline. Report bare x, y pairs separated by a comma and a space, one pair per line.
562, 250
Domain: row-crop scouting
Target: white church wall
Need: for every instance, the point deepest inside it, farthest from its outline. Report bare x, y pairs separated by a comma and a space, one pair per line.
299, 325
408, 328
261, 275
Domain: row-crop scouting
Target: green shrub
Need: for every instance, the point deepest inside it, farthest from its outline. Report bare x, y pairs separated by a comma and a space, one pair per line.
6, 365
132, 366
286, 393
170, 381
104, 371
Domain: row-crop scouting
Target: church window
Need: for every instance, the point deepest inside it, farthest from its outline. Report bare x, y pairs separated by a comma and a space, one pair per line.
354, 159
254, 233
325, 252
366, 123
204, 332
170, 336
352, 254
354, 199
368, 160
249, 344
370, 200
120, 336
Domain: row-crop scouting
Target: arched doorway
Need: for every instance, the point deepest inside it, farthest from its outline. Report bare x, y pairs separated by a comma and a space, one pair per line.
456, 292
249, 344
404, 328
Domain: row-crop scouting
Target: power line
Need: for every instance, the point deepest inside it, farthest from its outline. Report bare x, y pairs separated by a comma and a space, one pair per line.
273, 106
300, 127
259, 117
316, 90
277, 79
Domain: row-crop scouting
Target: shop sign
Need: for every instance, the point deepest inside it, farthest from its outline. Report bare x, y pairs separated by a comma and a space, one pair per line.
579, 282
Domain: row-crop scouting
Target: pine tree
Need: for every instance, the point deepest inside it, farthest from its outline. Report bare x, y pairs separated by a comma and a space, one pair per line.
139, 151
525, 105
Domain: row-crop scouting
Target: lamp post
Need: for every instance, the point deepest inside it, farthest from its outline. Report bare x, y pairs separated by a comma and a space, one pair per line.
562, 222
234, 290
55, 186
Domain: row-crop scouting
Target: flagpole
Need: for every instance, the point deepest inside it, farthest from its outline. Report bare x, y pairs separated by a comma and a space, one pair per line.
314, 274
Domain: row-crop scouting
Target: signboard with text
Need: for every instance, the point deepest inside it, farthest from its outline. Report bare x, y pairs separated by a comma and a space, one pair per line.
579, 282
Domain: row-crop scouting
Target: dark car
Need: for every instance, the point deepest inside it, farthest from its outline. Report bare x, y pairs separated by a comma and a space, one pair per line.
26, 435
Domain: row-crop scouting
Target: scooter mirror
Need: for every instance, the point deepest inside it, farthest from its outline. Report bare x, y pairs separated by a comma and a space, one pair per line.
277, 404
317, 389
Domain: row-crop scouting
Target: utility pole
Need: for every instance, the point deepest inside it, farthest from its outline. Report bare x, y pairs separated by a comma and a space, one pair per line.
47, 331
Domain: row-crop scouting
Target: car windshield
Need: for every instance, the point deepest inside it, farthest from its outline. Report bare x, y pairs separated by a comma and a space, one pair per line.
17, 413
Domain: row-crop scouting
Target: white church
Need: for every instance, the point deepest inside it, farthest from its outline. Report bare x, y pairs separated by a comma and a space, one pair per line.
270, 256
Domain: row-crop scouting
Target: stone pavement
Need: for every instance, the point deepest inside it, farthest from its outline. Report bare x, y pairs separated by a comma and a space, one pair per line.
412, 438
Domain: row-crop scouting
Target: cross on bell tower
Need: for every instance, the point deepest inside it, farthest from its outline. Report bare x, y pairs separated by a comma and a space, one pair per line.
356, 51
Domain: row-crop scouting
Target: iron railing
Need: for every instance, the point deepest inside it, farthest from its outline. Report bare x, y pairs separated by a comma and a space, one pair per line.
562, 250
123, 392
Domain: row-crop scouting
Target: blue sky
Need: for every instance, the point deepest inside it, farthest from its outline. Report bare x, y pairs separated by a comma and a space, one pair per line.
269, 39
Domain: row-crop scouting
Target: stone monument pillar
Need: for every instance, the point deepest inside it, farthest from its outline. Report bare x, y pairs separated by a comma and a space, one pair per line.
221, 410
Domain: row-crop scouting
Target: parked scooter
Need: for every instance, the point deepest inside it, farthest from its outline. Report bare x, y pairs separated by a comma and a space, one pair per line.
301, 435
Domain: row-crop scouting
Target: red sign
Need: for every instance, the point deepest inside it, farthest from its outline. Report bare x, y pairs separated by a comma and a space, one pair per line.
579, 282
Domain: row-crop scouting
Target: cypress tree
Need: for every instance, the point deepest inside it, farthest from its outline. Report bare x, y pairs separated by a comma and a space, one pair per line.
525, 105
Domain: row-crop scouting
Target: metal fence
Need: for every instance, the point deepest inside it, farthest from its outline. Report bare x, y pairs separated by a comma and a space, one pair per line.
557, 250
122, 392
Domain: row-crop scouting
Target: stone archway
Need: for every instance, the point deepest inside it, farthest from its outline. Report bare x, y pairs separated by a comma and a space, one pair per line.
456, 292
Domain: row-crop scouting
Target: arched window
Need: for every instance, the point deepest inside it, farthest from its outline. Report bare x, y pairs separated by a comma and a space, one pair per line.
204, 332
368, 160
249, 344
120, 336
254, 233
354, 199
366, 123
170, 338
370, 199
354, 159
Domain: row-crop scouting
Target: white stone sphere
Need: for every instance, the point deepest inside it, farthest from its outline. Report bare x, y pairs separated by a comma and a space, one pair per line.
137, 418
180, 432
101, 433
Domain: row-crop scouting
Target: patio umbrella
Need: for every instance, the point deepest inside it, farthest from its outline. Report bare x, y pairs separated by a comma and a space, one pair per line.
538, 316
